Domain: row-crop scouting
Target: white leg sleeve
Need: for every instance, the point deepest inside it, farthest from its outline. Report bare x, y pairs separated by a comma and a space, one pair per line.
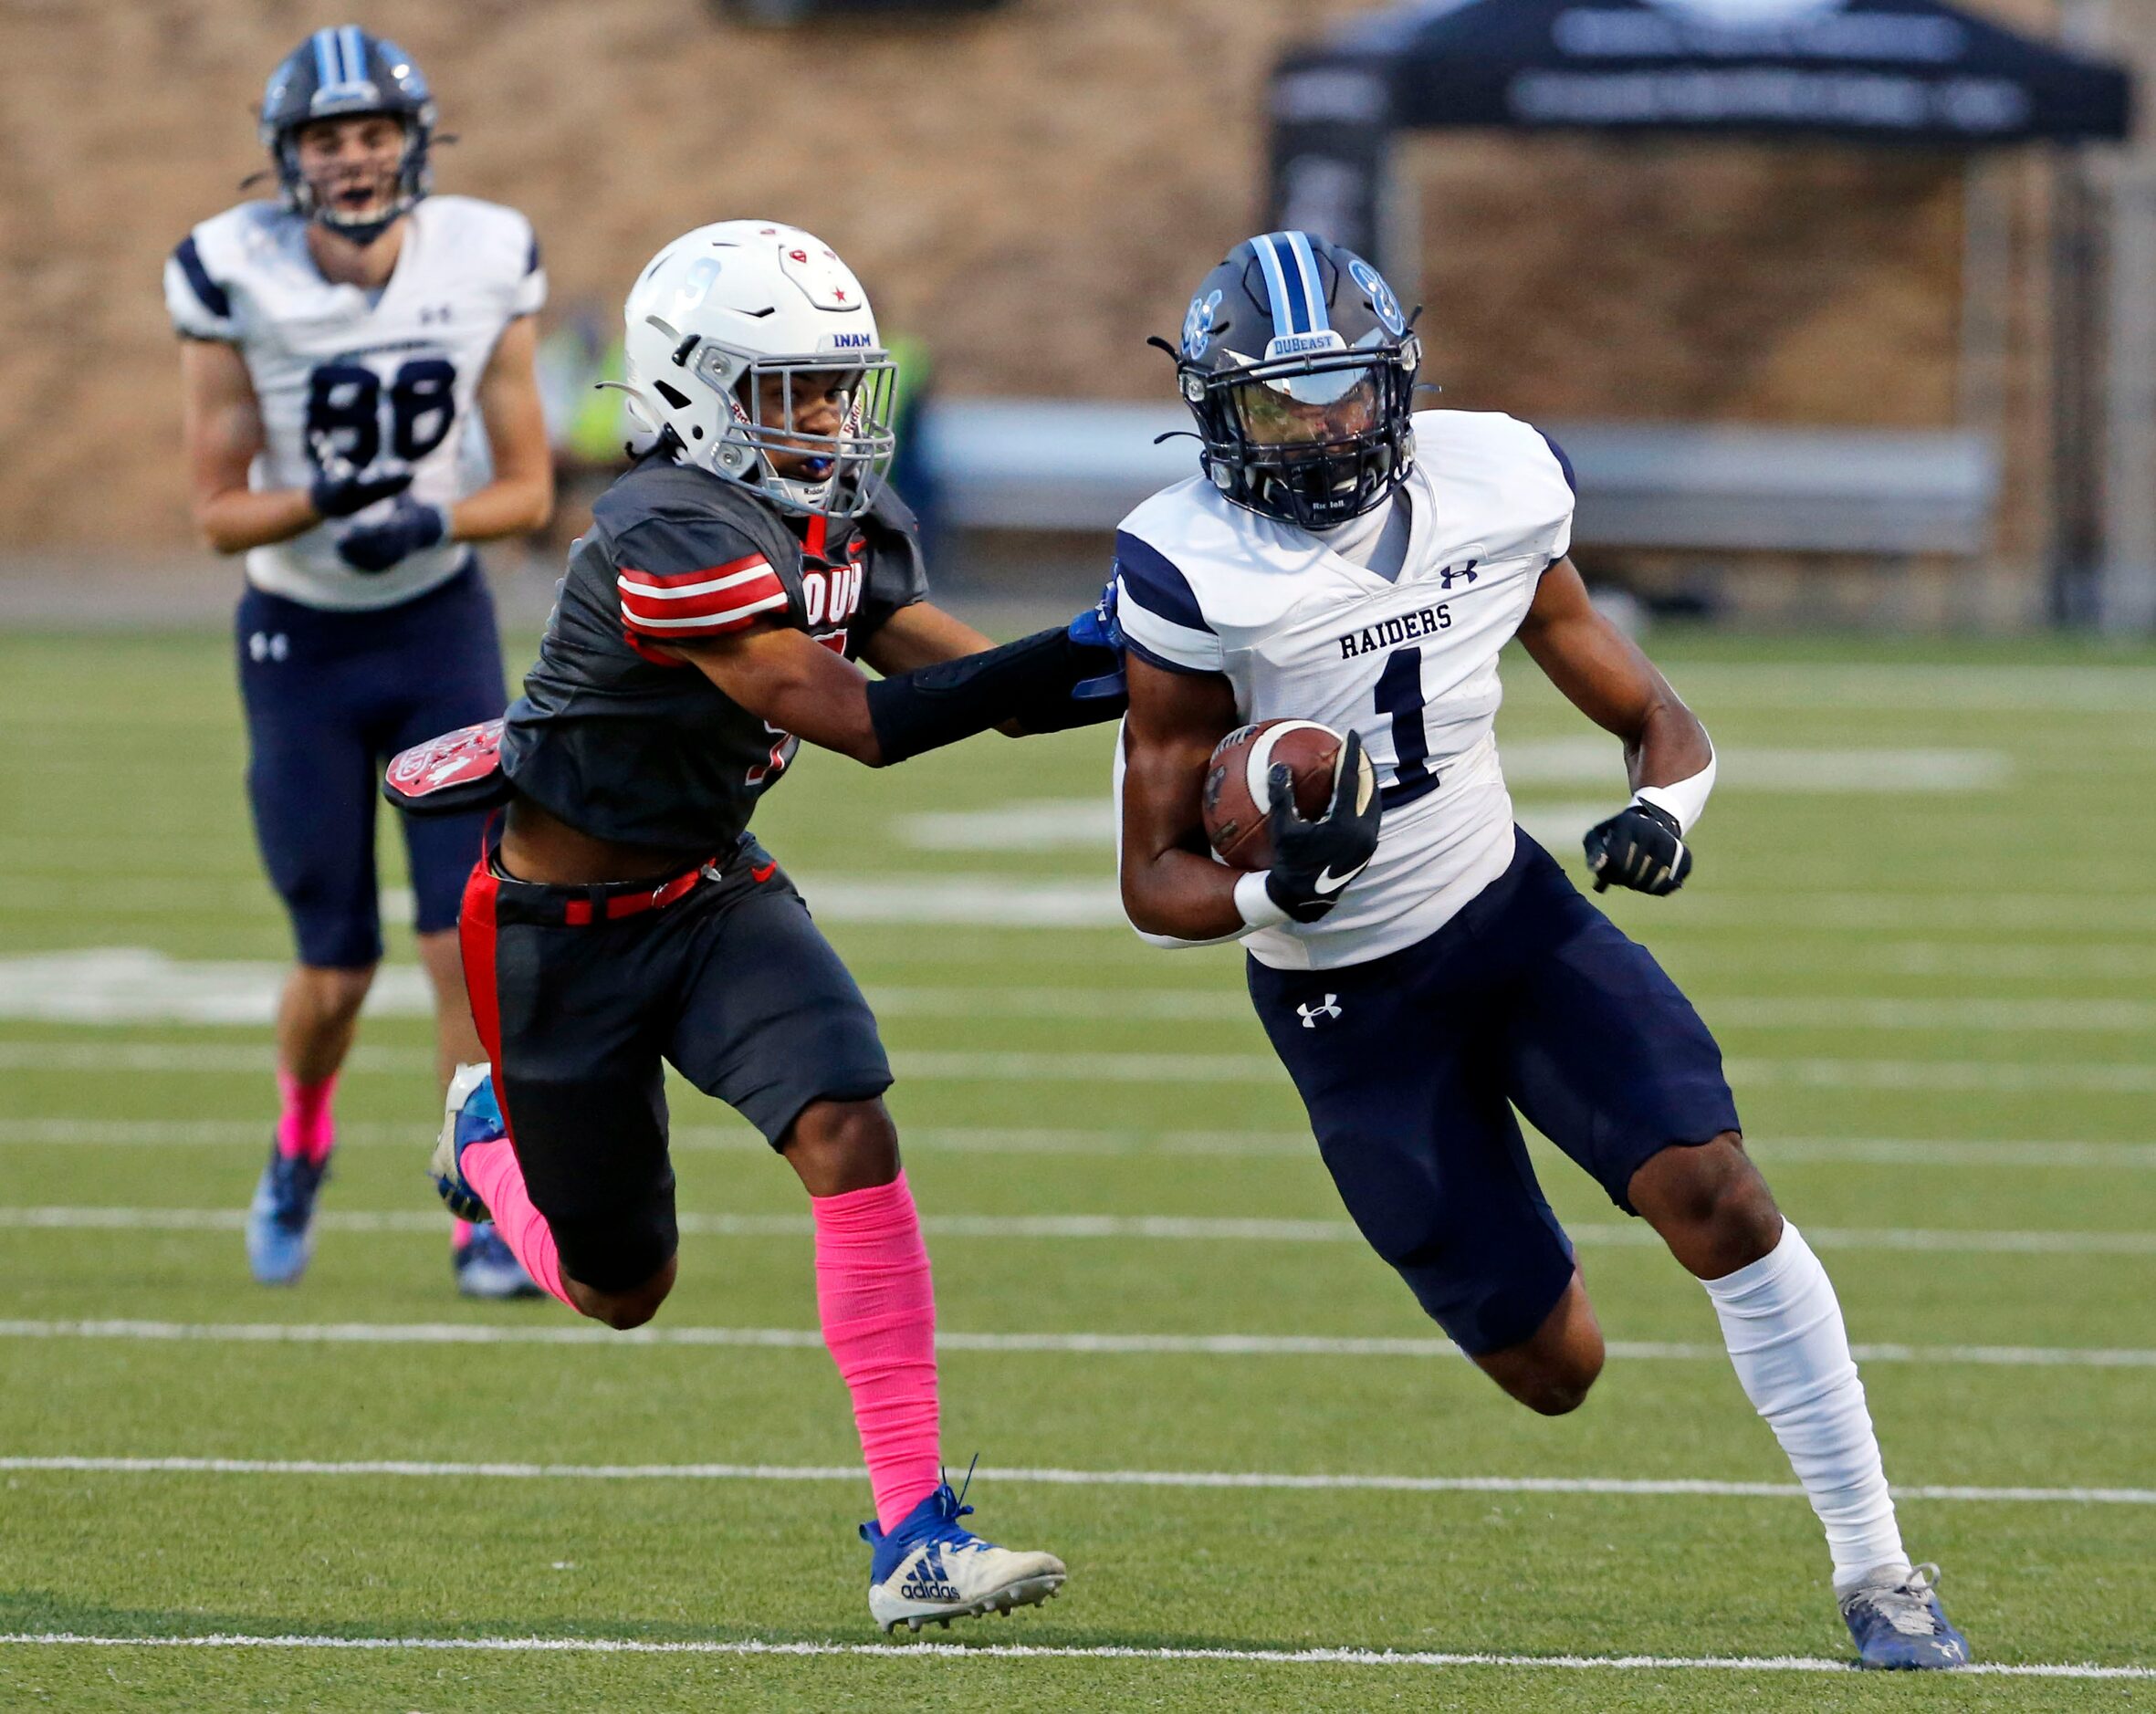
1783, 1328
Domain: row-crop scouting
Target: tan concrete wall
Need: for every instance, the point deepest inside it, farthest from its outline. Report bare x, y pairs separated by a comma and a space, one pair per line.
1032, 190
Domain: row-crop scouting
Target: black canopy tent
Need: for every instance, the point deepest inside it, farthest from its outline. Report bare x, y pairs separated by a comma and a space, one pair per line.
1888, 73
1880, 71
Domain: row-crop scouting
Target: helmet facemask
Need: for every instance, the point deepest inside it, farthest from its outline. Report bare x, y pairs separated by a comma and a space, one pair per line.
1313, 439
314, 196
763, 397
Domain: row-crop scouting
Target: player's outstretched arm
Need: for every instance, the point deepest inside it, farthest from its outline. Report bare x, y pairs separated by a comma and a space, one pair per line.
787, 678
221, 426
1668, 756
1084, 680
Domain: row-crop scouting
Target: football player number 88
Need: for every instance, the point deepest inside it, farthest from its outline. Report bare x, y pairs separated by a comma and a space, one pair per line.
344, 404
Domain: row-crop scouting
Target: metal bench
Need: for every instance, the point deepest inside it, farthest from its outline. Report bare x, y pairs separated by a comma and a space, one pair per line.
1016, 463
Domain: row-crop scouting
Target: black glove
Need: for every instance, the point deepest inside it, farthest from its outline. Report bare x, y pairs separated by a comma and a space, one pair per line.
1640, 847
1313, 861
373, 547
339, 489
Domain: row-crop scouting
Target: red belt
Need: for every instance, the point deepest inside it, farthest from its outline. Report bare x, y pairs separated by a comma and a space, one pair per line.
580, 913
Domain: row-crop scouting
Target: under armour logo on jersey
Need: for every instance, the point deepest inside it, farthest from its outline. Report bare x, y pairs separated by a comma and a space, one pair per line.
1310, 1014
265, 646
1465, 572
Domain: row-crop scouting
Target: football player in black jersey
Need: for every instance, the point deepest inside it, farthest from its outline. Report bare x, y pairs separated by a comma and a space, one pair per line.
626, 919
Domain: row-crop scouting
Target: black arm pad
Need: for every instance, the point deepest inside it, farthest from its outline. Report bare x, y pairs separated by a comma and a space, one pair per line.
1029, 680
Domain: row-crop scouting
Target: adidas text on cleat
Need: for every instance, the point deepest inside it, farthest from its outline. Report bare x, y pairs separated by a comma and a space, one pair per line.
1900, 1625
471, 1115
931, 1569
487, 1268
280, 1218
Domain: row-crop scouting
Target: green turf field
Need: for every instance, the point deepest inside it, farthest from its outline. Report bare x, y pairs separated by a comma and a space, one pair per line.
1936, 1001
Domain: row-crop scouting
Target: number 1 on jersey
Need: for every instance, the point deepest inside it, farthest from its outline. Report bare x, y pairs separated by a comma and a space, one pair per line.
1400, 696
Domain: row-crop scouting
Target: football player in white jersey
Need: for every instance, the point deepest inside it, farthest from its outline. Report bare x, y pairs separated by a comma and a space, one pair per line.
341, 345
1421, 965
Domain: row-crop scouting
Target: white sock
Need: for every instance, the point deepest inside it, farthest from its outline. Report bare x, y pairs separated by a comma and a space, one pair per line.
1783, 1328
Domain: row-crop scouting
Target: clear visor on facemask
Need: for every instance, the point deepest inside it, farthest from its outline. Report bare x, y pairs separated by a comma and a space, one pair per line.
1301, 409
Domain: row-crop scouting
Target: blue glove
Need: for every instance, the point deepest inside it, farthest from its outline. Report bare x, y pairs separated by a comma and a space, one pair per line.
1097, 628
341, 488
373, 547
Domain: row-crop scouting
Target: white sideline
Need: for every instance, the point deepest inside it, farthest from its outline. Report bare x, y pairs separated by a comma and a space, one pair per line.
137, 985
1026, 1140
1030, 1651
1256, 1070
1172, 1228
515, 1471
582, 1333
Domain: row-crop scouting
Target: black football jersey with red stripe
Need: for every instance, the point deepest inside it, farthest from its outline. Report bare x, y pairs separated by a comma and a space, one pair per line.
623, 742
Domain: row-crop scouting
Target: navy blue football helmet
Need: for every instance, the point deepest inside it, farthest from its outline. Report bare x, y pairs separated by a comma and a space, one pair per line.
1300, 369
334, 74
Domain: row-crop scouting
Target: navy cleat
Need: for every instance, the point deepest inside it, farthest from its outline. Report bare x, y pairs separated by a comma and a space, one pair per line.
487, 1268
280, 1218
470, 1115
1901, 1626
931, 1569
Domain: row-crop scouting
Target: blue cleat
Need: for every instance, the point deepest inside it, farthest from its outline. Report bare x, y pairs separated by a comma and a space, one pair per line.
1901, 1626
471, 1115
931, 1570
487, 1268
280, 1218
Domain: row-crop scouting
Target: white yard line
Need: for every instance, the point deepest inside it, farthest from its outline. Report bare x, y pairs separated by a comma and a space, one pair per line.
993, 899
137, 985
1168, 1227
577, 1332
1677, 1488
947, 1652
930, 1065
371, 1134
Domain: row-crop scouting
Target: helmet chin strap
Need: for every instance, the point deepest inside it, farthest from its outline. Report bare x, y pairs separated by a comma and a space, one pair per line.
362, 233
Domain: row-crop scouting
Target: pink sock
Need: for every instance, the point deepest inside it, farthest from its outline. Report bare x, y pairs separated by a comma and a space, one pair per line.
877, 1304
492, 1169
305, 1128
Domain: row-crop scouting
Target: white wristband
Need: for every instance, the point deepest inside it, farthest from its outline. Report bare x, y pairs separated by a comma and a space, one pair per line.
1256, 904
1685, 799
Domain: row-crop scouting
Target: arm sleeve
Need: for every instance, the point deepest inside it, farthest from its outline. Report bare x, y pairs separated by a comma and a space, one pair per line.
200, 306
681, 579
530, 294
1162, 622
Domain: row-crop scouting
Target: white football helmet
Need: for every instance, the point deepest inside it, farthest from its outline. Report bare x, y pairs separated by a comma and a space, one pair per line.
724, 307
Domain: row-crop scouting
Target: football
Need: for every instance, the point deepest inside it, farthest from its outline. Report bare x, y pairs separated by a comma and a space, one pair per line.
1237, 824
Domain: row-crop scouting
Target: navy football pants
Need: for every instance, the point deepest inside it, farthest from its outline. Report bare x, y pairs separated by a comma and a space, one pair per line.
330, 696
1411, 1065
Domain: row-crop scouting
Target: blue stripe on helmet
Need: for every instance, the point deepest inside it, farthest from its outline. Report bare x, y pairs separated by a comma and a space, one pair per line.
1276, 287
325, 67
355, 54
1313, 284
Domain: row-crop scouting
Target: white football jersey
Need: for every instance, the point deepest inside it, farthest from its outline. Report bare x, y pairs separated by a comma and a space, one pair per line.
390, 382
1409, 663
